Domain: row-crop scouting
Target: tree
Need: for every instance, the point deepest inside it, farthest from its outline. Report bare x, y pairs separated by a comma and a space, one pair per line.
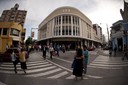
28, 41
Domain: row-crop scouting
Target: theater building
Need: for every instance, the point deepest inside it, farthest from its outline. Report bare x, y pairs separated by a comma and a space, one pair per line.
68, 26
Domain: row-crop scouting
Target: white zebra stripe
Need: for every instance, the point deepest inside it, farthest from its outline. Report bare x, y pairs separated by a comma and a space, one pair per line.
59, 75
18, 67
27, 64
44, 73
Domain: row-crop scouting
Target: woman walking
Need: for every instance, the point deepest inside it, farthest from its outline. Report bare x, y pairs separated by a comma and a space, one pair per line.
78, 67
23, 60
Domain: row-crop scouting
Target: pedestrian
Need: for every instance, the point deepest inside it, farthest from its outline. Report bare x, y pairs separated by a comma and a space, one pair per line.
78, 67
7, 46
44, 51
110, 51
57, 50
51, 51
23, 60
15, 60
115, 49
85, 53
125, 53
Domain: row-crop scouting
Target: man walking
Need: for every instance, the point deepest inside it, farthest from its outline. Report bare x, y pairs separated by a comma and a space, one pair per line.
44, 51
14, 60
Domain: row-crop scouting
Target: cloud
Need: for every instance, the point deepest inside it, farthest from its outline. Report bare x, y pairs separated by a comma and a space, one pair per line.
98, 11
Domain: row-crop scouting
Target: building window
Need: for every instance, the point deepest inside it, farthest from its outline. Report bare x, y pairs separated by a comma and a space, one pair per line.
63, 30
70, 30
73, 30
14, 32
59, 30
5, 31
59, 19
69, 19
66, 30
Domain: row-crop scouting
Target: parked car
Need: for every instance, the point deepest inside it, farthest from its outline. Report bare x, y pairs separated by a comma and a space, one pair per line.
7, 53
91, 48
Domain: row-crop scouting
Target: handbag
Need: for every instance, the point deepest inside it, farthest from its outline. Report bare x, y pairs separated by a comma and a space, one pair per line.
73, 63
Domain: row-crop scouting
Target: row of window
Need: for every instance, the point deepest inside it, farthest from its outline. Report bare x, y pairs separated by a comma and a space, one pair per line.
67, 19
13, 32
67, 30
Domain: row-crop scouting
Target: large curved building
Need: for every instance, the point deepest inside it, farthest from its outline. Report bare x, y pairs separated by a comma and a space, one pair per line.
68, 26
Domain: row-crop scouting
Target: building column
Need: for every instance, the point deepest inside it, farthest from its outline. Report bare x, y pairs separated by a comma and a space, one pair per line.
71, 26
81, 30
53, 26
61, 26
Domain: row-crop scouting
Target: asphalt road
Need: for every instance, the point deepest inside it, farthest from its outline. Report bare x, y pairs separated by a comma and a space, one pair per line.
102, 70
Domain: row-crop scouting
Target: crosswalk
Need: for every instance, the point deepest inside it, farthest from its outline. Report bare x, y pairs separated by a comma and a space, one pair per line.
42, 69
105, 62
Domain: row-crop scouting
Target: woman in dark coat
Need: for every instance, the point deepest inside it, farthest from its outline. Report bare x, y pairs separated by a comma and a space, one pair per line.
78, 67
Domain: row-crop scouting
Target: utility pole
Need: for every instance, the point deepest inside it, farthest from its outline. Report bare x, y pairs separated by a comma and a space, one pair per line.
107, 32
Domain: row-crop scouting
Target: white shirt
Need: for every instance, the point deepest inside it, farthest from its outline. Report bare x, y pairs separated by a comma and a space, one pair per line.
13, 56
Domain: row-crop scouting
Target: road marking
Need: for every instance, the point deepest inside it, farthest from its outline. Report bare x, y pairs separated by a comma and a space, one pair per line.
59, 75
45, 73
59, 66
104, 67
94, 76
63, 60
18, 67
69, 70
41, 63
29, 71
108, 65
41, 69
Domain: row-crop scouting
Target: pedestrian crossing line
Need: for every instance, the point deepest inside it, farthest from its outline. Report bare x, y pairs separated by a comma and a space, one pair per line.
28, 62
29, 71
104, 67
18, 67
44, 73
40, 69
72, 77
85, 77
63, 60
107, 64
59, 75
33, 64
60, 66
102, 62
97, 77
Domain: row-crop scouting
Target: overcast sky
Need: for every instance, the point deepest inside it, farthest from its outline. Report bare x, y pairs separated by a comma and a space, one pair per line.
98, 11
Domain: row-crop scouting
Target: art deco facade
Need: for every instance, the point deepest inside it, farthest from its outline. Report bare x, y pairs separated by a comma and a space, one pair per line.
67, 25
14, 15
